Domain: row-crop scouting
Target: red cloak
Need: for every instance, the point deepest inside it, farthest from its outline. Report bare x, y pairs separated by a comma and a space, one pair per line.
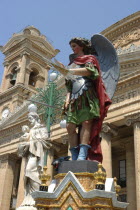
95, 153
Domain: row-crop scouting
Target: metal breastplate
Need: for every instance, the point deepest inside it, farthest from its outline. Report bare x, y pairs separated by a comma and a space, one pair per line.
79, 85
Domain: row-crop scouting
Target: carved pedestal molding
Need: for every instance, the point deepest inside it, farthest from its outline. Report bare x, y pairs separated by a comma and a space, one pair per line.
130, 173
107, 133
134, 119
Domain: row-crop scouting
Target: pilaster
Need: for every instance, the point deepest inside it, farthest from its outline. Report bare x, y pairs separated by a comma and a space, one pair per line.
21, 188
4, 81
7, 168
107, 133
134, 119
21, 74
28, 72
130, 174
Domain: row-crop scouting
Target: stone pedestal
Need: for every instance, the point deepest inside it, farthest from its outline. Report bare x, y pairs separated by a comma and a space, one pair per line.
83, 170
71, 192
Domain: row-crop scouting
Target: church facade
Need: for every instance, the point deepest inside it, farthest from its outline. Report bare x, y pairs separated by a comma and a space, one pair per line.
26, 69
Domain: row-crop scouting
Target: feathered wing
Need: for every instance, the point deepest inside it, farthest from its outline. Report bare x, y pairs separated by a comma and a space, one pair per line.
108, 60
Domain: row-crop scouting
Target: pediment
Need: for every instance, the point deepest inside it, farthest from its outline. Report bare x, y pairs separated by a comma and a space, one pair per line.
44, 45
13, 42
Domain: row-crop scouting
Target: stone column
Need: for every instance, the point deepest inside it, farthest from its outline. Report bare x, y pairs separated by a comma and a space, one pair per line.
21, 188
28, 72
137, 160
134, 119
46, 69
107, 133
22, 72
6, 180
39, 81
130, 174
5, 81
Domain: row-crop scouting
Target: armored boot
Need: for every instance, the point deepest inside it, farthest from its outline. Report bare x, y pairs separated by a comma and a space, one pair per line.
74, 152
83, 151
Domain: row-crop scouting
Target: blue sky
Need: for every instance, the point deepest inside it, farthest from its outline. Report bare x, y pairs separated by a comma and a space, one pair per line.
60, 20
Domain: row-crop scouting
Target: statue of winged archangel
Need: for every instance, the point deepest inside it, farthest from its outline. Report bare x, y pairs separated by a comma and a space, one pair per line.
91, 79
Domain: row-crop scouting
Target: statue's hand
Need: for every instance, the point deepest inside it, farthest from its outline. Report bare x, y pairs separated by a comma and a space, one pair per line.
71, 75
48, 144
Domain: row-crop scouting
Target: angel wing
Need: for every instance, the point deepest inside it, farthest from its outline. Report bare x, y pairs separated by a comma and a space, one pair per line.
108, 60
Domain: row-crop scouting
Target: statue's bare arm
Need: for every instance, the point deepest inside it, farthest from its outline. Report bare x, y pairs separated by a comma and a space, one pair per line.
80, 72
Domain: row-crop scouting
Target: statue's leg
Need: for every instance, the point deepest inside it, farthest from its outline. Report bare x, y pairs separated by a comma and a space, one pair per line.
84, 139
85, 131
73, 140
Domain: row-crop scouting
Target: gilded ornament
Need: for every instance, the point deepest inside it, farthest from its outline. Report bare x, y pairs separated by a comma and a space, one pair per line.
117, 187
100, 177
44, 177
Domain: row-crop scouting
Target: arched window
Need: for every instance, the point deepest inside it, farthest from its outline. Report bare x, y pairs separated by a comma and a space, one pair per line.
33, 77
13, 76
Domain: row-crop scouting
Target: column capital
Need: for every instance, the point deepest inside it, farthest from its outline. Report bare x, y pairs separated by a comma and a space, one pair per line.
24, 54
110, 129
132, 118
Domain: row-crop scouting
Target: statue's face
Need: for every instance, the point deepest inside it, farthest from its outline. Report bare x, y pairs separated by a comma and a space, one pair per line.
76, 48
32, 120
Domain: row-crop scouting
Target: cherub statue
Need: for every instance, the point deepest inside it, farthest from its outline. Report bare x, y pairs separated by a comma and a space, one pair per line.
26, 135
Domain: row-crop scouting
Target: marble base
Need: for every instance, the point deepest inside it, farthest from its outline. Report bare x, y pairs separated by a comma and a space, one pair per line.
78, 166
26, 208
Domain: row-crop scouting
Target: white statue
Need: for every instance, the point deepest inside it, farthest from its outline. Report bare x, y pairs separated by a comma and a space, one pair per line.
34, 143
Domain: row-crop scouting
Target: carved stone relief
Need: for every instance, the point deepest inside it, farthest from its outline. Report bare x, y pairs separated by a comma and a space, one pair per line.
126, 95
127, 38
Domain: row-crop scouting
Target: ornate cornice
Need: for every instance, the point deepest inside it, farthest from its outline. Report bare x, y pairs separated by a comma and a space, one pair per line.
8, 93
128, 88
127, 38
130, 49
124, 25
